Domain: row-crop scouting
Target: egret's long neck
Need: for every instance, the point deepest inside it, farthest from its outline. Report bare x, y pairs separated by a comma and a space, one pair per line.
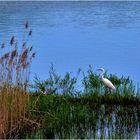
102, 75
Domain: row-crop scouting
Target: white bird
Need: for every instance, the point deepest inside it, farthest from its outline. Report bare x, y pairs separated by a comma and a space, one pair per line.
106, 81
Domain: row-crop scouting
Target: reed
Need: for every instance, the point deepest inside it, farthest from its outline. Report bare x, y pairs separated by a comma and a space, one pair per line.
15, 62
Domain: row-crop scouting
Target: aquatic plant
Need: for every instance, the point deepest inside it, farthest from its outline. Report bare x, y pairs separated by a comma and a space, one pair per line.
72, 117
56, 84
91, 84
95, 113
15, 61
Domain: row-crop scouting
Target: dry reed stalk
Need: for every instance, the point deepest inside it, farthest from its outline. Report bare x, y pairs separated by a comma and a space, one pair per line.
13, 111
14, 67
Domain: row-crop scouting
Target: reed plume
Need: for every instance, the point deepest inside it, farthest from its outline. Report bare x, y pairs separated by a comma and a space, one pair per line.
26, 25
12, 40
14, 67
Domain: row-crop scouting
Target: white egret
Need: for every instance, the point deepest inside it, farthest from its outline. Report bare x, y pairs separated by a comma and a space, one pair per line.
106, 81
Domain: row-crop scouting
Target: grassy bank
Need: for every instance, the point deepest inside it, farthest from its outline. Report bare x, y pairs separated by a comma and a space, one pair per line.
82, 117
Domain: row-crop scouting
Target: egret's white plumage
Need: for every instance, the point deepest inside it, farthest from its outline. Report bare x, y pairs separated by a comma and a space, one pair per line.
106, 81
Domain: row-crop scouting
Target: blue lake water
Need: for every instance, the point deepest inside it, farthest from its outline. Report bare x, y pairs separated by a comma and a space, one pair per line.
75, 34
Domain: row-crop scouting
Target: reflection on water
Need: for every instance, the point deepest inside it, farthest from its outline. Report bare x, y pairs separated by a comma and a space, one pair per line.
99, 121
76, 34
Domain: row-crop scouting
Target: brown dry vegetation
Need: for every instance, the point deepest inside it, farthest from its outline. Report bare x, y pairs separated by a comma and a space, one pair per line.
14, 76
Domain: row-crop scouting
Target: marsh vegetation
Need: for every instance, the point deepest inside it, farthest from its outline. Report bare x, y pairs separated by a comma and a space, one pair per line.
15, 60
55, 107
66, 117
